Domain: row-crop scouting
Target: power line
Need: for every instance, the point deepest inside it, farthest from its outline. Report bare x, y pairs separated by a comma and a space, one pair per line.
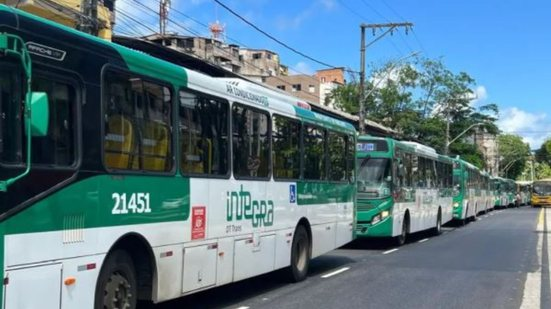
403, 19
272, 37
363, 18
388, 20
229, 53
223, 50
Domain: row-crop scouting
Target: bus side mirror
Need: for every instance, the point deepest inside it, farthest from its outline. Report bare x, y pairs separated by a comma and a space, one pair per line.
39, 114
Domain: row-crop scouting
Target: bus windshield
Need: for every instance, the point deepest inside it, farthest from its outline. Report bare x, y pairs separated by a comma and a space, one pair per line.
10, 115
542, 188
373, 177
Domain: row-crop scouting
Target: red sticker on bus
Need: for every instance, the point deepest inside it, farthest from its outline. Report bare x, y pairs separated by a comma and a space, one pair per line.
198, 222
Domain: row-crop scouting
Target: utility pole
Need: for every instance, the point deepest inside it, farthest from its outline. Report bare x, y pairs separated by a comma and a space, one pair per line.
390, 29
164, 6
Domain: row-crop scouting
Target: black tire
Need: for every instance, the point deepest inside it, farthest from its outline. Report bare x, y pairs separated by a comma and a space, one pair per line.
300, 255
400, 240
117, 285
464, 221
437, 230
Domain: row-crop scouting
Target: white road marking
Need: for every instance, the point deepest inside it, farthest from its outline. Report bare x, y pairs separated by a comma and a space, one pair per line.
423, 240
532, 286
336, 272
390, 251
243, 307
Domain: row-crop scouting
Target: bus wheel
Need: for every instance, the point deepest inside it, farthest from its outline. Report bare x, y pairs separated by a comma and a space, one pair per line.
117, 286
438, 228
401, 239
300, 255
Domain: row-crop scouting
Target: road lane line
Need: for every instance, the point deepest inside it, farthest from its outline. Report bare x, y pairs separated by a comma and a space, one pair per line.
390, 251
336, 272
531, 297
243, 307
423, 240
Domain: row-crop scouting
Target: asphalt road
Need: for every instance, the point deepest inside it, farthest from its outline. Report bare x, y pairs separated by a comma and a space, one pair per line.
482, 265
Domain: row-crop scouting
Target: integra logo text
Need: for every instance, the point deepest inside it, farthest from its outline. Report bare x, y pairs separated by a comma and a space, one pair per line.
241, 206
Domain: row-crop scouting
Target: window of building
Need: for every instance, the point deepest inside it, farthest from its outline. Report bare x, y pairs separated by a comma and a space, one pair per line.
337, 156
286, 147
314, 153
251, 142
257, 56
203, 129
323, 79
138, 123
297, 87
58, 146
311, 88
282, 87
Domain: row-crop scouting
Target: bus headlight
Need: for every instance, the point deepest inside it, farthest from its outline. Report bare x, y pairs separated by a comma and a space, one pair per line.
376, 219
384, 214
455, 205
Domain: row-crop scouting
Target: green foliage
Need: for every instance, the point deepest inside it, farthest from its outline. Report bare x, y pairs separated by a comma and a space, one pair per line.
542, 170
418, 99
514, 154
544, 153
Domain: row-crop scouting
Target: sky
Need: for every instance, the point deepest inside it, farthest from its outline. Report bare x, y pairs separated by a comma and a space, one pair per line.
504, 45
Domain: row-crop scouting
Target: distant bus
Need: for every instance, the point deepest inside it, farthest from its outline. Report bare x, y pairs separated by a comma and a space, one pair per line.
472, 191
403, 187
138, 179
505, 192
524, 189
541, 193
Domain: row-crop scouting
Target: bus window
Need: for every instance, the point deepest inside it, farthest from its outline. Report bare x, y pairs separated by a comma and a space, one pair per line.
203, 134
337, 157
374, 175
58, 146
10, 110
350, 158
286, 147
251, 142
138, 123
314, 153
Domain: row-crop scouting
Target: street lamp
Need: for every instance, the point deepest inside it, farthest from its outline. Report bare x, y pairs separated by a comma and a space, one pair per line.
448, 143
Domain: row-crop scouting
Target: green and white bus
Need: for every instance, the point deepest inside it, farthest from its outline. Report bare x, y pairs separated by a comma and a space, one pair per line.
130, 178
505, 192
472, 191
524, 189
403, 187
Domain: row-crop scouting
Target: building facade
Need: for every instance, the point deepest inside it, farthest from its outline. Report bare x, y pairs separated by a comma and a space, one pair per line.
302, 86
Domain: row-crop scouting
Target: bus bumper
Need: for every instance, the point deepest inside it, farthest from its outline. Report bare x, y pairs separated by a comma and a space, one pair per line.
382, 228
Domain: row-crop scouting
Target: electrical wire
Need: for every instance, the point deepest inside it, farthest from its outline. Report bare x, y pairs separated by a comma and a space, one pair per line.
229, 54
272, 37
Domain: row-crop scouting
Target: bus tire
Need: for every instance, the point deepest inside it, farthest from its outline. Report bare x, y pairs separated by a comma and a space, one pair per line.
300, 255
117, 284
400, 240
464, 221
437, 230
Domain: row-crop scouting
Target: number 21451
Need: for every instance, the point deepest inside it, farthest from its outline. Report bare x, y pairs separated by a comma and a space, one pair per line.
131, 203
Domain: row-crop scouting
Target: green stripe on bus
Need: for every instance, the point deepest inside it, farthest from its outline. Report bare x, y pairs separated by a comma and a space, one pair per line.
104, 201
310, 193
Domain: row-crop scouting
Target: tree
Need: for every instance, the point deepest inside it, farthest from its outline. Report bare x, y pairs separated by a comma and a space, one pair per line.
418, 99
544, 153
513, 155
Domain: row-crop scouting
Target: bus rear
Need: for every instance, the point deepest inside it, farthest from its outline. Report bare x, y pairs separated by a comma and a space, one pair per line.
374, 199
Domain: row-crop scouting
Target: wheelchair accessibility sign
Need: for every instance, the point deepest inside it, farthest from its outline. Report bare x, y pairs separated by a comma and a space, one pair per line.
292, 193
